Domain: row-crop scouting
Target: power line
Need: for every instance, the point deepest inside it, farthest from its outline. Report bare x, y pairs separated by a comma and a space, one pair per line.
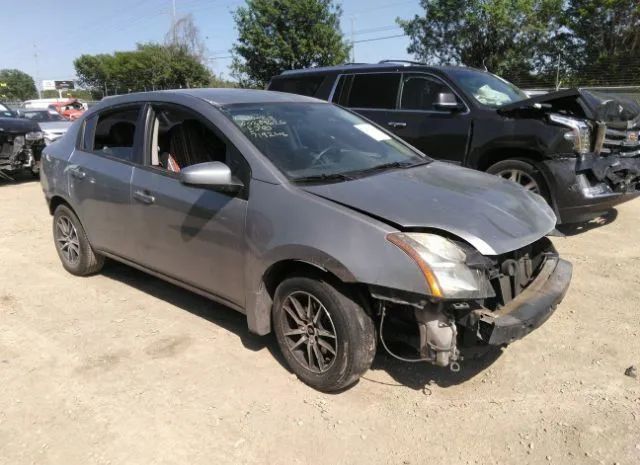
378, 38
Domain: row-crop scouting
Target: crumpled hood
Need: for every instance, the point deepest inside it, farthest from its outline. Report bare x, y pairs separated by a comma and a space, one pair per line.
17, 126
490, 213
616, 110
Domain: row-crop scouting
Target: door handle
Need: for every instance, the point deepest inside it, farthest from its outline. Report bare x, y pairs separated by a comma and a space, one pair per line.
397, 124
144, 197
78, 173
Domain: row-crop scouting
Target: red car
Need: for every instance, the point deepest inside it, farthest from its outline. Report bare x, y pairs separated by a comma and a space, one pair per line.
71, 109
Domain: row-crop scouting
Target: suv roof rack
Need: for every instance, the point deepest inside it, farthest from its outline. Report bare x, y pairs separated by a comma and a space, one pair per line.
407, 62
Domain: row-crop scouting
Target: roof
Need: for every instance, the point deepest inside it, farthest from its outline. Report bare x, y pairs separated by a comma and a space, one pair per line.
389, 65
217, 97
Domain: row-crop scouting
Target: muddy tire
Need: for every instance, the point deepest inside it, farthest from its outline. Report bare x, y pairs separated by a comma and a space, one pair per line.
523, 172
325, 335
75, 252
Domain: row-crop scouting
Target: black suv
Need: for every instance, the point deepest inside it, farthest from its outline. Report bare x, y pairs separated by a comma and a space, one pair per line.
578, 149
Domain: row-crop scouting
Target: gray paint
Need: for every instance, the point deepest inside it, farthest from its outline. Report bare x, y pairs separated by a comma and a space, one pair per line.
222, 244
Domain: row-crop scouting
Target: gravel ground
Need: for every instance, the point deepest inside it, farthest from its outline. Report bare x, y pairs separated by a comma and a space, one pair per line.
123, 368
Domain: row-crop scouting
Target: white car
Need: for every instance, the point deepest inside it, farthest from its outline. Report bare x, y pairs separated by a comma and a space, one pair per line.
52, 125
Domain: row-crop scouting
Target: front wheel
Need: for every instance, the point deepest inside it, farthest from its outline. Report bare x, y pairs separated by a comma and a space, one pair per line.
522, 172
326, 337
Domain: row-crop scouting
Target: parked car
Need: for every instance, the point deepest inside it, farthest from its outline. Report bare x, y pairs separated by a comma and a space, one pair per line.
52, 125
20, 144
71, 109
315, 223
578, 149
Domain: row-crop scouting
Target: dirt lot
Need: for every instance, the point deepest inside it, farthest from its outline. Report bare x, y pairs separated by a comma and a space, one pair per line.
122, 368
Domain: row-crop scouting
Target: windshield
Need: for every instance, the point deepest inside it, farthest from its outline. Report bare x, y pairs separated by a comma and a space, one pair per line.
4, 111
486, 88
318, 141
42, 116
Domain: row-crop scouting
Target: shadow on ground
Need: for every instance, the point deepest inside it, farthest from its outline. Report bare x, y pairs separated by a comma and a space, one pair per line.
573, 229
18, 178
413, 375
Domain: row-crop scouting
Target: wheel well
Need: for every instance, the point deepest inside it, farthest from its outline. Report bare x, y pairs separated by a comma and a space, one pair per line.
495, 156
259, 315
55, 202
279, 271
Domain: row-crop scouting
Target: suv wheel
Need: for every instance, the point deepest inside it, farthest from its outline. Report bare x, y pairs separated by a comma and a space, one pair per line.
326, 337
75, 252
521, 172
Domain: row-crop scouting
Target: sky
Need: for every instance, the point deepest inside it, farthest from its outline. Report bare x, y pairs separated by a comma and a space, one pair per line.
58, 32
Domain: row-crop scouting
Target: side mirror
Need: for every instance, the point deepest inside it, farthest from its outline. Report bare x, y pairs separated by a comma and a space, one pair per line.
448, 101
214, 175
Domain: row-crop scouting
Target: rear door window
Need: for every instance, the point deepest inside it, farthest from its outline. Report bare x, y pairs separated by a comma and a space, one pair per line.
115, 133
304, 85
376, 90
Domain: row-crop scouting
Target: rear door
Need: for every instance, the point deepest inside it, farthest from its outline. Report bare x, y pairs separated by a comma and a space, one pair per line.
373, 95
405, 103
100, 171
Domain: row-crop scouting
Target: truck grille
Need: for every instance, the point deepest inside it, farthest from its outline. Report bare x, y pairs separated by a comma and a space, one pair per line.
623, 143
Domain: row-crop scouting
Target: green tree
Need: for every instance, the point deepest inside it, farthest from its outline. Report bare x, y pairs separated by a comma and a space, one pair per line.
605, 42
17, 85
149, 67
276, 35
508, 37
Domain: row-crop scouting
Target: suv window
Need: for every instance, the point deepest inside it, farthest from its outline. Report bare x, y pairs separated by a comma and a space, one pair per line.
307, 85
420, 92
115, 133
180, 138
372, 91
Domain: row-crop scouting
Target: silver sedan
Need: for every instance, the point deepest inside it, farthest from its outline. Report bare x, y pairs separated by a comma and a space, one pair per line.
314, 222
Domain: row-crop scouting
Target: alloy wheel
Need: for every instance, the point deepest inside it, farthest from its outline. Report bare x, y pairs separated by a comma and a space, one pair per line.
522, 178
309, 332
67, 240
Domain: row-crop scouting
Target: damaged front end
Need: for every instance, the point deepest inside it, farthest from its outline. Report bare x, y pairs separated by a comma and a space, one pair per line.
595, 162
21, 144
521, 289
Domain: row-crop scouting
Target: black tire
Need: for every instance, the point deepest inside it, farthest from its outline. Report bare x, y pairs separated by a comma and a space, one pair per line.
355, 339
524, 166
84, 261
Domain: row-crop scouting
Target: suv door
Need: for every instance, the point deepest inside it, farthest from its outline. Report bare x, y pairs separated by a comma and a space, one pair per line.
100, 170
194, 235
439, 132
407, 105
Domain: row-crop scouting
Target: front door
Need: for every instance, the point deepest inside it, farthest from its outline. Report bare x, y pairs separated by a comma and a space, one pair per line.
405, 104
100, 171
191, 234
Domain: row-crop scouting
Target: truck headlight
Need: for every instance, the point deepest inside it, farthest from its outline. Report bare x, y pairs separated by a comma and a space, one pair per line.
34, 135
580, 133
443, 264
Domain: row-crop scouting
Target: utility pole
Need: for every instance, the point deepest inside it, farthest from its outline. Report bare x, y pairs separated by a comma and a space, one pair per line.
558, 73
35, 56
173, 21
353, 43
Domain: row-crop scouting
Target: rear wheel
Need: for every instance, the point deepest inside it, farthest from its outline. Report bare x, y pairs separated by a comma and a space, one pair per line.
324, 334
75, 252
522, 172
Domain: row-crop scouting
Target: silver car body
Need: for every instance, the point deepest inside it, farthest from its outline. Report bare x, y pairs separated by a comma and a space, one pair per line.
54, 130
225, 246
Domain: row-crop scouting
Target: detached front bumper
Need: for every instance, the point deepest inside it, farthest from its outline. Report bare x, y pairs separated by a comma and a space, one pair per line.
529, 309
586, 187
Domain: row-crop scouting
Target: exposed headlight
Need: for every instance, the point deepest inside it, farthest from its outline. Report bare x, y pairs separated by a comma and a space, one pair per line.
443, 264
34, 135
580, 133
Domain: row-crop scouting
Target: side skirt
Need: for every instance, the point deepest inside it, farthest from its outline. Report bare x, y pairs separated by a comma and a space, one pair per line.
177, 282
